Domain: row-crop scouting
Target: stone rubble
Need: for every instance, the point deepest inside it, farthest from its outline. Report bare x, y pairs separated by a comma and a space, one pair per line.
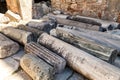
16, 64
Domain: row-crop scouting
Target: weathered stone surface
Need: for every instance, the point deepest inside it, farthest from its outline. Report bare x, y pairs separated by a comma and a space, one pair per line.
36, 33
20, 75
7, 67
45, 24
103, 39
80, 60
7, 46
57, 62
105, 53
21, 36
104, 24
36, 67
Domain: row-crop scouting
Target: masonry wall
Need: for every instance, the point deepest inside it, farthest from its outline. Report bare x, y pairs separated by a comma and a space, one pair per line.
103, 9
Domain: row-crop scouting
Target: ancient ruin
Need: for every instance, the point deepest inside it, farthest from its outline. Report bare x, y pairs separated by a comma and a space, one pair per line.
59, 40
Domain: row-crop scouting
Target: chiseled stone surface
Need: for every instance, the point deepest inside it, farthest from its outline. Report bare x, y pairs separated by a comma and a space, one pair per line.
36, 68
20, 75
7, 46
7, 67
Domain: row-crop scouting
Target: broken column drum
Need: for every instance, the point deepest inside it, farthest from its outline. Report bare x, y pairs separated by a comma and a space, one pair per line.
36, 33
43, 25
105, 39
65, 21
36, 67
7, 46
105, 53
90, 66
21, 36
53, 59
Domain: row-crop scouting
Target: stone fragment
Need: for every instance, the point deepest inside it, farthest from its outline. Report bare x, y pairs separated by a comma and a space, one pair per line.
7, 46
36, 67
18, 35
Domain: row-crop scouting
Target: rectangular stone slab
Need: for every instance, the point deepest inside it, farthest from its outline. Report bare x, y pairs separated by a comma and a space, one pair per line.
105, 53
36, 33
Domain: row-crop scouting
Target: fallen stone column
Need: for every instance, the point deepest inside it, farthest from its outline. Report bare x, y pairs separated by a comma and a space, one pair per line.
21, 36
43, 25
108, 25
36, 33
53, 59
82, 62
36, 68
105, 53
7, 46
76, 24
98, 37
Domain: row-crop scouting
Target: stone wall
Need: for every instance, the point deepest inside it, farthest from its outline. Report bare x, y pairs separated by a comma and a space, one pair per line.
103, 9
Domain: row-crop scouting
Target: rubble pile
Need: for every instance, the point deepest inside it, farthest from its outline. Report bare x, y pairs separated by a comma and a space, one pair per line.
57, 46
